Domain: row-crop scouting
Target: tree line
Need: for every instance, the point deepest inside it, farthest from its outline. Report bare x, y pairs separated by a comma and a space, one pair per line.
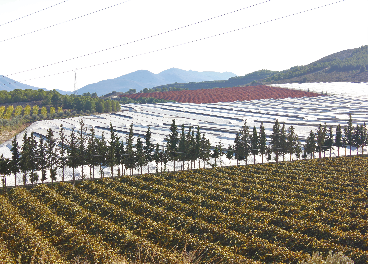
82, 148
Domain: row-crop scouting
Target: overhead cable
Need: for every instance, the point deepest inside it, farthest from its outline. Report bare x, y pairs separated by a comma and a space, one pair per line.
38, 30
32, 13
137, 40
188, 42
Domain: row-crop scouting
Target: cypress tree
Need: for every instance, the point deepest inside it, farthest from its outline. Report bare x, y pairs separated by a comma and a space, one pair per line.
230, 153
50, 153
275, 143
42, 159
338, 139
81, 146
283, 141
34, 162
148, 147
24, 161
204, 153
15, 162
62, 149
172, 142
254, 144
130, 159
321, 137
102, 150
262, 140
140, 155
293, 143
113, 149
72, 150
349, 133
91, 152
329, 140
183, 146
310, 144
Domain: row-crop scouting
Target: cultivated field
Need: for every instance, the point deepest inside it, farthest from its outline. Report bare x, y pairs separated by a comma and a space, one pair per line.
266, 213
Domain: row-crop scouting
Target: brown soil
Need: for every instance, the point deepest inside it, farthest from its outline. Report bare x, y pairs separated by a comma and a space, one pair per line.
9, 134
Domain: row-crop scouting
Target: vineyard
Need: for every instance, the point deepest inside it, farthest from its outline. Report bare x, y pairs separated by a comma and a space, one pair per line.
275, 212
205, 96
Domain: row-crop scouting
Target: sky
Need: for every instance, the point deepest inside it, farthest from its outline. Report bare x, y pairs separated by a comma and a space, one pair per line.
163, 34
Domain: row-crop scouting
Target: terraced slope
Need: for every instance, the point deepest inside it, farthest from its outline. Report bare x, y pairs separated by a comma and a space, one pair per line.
248, 214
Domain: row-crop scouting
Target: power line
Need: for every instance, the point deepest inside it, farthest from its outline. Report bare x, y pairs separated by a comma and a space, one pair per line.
185, 43
57, 24
32, 13
135, 41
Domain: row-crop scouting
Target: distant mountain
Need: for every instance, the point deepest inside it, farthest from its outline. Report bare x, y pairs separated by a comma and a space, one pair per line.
345, 66
251, 78
8, 84
141, 79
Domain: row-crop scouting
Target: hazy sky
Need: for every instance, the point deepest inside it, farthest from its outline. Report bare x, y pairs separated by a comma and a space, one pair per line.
276, 45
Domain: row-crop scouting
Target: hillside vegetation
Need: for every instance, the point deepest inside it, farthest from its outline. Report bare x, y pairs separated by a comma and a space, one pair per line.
270, 213
345, 66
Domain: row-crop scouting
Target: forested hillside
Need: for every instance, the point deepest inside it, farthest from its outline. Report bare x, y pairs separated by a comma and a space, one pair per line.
344, 66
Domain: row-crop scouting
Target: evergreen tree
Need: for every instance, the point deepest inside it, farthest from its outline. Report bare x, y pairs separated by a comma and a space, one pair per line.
92, 152
262, 140
25, 157
15, 162
329, 140
349, 133
50, 153
217, 152
192, 148
102, 149
113, 149
62, 149
293, 143
254, 144
172, 142
72, 150
140, 155
148, 147
338, 139
283, 141
230, 153
321, 137
357, 138
5, 169
205, 147
310, 144
183, 146
34, 159
130, 159
275, 143
364, 137
157, 156
42, 159
81, 146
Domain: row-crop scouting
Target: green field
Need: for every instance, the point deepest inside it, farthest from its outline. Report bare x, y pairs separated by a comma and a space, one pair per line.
270, 213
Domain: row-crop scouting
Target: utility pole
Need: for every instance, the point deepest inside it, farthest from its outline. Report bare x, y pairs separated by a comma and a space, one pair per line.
75, 81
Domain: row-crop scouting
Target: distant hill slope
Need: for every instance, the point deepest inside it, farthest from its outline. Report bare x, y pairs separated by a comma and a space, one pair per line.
8, 84
345, 66
145, 79
253, 78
